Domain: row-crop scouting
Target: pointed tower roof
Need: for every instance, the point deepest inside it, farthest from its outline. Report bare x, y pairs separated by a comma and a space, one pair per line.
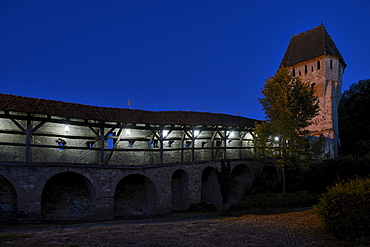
308, 45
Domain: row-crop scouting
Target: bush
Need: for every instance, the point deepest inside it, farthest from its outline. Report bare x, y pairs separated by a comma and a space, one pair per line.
345, 209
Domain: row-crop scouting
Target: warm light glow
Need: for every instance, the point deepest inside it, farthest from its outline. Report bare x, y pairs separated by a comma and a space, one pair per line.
165, 133
66, 128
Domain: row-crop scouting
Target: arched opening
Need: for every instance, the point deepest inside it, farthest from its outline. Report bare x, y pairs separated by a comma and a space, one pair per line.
68, 196
241, 181
270, 177
210, 187
180, 191
8, 202
134, 196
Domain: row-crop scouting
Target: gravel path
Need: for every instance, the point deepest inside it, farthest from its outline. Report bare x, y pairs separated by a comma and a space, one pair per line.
288, 229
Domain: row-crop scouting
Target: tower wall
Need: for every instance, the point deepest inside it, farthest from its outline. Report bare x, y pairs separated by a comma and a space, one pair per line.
325, 75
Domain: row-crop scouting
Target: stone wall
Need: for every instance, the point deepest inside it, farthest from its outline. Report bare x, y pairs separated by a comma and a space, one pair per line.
49, 192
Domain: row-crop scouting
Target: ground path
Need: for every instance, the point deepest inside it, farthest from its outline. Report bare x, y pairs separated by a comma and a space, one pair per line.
286, 229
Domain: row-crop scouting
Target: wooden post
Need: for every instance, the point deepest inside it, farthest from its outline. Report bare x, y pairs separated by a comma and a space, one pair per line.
102, 146
212, 145
242, 135
161, 145
225, 143
192, 144
182, 146
28, 140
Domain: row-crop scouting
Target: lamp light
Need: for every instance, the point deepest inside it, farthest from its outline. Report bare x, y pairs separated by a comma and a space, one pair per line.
127, 131
164, 133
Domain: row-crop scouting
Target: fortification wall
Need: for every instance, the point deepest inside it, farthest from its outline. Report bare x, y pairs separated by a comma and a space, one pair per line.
49, 192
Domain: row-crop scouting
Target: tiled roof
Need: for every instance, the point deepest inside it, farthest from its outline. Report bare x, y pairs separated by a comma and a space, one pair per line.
308, 45
73, 110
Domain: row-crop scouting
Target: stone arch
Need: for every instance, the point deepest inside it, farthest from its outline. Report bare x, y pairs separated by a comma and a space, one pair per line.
180, 191
270, 174
134, 195
210, 187
270, 177
241, 180
68, 196
8, 201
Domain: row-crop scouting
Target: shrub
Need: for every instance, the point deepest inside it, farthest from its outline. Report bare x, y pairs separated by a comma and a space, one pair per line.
345, 209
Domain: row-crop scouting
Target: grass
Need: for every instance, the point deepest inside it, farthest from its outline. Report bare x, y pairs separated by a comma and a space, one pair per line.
271, 200
13, 237
268, 202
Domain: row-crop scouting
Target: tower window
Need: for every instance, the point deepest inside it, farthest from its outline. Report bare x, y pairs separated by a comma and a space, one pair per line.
312, 68
331, 64
305, 69
318, 64
299, 72
313, 86
293, 72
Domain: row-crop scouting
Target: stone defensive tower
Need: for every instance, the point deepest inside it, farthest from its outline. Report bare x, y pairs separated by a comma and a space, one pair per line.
313, 56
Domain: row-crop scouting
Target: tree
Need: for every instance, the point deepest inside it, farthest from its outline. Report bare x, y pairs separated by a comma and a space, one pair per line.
354, 119
289, 105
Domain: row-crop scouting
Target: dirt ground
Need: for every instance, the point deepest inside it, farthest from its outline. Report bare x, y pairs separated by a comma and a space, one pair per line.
286, 229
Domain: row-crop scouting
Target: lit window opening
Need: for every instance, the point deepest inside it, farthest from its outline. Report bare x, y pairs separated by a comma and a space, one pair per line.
187, 144
61, 143
110, 141
154, 144
90, 144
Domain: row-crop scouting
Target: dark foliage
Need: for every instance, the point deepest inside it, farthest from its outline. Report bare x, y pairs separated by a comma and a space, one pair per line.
354, 119
318, 176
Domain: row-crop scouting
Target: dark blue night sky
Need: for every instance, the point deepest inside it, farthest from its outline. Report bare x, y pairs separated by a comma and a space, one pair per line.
210, 56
